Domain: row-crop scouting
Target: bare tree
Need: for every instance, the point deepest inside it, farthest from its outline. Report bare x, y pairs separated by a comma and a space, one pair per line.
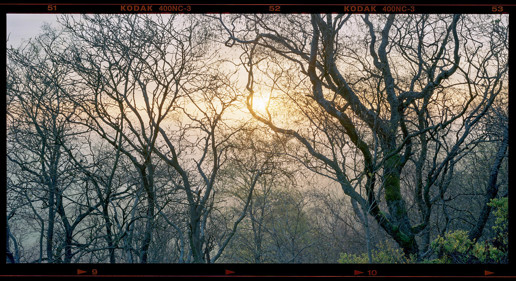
152, 138
149, 92
372, 79
259, 177
38, 131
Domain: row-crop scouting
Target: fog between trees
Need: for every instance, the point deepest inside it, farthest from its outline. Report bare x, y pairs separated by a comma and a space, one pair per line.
259, 139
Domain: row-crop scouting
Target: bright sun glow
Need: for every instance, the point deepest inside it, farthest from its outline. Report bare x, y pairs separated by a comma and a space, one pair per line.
260, 103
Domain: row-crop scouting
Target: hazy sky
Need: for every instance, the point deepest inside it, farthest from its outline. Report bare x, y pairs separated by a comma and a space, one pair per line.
24, 26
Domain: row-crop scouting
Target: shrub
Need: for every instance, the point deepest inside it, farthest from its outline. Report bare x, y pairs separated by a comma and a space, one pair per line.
384, 254
455, 247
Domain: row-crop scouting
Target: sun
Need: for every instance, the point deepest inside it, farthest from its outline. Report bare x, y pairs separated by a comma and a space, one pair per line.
260, 103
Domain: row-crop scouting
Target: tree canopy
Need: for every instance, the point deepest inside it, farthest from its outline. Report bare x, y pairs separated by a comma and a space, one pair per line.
259, 138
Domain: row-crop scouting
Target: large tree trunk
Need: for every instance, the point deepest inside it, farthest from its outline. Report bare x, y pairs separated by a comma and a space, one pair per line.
397, 223
109, 233
492, 189
68, 247
148, 185
10, 256
195, 237
401, 228
51, 223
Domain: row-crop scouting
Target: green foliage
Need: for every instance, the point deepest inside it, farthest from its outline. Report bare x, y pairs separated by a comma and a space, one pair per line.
353, 258
384, 254
455, 247
500, 242
501, 227
487, 253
